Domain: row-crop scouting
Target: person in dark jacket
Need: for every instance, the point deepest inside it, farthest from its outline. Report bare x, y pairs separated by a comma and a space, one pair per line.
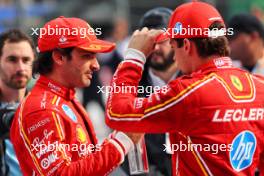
17, 53
159, 70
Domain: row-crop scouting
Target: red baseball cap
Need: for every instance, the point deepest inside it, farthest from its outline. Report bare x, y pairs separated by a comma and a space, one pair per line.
191, 20
161, 38
65, 32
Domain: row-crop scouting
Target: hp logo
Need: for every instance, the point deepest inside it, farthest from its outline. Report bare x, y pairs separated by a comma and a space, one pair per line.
243, 149
178, 28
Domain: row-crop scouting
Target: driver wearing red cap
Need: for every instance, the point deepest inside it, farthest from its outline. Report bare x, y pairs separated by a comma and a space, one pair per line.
215, 113
51, 132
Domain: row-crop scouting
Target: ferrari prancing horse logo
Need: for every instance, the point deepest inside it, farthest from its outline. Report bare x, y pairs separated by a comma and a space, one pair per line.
236, 82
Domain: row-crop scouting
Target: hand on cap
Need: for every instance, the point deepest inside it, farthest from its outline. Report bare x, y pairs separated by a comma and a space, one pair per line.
144, 40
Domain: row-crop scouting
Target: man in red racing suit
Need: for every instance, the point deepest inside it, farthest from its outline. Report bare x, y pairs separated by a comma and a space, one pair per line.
51, 132
215, 113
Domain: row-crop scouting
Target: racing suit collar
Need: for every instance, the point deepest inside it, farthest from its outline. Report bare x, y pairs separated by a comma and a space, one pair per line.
217, 63
48, 84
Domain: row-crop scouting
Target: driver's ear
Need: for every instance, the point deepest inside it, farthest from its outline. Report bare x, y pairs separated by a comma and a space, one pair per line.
187, 45
57, 57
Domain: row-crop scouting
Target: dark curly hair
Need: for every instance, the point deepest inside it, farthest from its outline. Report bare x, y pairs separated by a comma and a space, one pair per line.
44, 62
210, 46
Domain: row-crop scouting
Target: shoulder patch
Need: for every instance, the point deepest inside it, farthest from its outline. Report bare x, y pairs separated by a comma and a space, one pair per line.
68, 111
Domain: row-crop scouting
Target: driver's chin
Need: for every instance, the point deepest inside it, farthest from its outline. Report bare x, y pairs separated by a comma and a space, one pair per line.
86, 83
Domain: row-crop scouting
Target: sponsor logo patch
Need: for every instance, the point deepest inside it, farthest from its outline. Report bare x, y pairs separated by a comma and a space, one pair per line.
80, 134
68, 111
236, 82
178, 28
38, 124
46, 162
243, 149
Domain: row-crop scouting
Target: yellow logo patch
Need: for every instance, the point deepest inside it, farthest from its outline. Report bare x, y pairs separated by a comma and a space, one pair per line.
94, 47
80, 134
236, 82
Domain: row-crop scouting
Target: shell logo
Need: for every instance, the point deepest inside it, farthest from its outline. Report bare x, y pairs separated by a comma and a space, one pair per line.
80, 134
